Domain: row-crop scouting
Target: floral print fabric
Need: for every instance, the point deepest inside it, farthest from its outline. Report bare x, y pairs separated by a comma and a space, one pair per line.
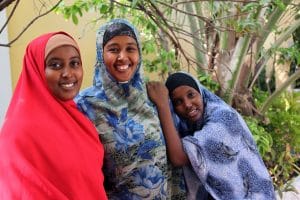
135, 165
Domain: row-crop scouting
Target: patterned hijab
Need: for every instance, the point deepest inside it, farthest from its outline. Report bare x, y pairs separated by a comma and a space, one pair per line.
223, 153
135, 164
48, 148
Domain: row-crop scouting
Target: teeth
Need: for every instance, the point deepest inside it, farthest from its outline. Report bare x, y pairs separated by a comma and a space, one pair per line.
192, 112
123, 67
68, 85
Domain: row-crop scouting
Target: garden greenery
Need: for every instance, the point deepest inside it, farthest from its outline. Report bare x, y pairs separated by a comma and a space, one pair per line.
225, 40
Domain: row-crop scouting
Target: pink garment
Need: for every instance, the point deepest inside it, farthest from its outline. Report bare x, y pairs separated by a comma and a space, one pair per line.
48, 149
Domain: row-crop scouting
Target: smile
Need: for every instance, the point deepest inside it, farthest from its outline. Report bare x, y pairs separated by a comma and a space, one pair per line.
122, 68
67, 85
192, 113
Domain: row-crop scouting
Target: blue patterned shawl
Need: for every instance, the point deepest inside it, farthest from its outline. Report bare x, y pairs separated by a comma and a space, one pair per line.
223, 154
135, 165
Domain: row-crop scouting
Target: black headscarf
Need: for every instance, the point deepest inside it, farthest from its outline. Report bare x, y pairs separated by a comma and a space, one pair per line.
179, 79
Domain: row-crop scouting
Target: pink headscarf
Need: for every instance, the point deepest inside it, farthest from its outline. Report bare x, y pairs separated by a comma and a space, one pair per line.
48, 149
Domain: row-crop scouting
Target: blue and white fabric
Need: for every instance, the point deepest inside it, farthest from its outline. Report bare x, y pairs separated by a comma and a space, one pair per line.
136, 165
223, 154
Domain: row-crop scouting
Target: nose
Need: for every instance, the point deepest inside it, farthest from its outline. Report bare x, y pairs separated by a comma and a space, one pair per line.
187, 103
67, 72
122, 55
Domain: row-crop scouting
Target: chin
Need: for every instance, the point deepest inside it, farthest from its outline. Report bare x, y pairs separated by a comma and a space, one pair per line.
123, 79
195, 119
67, 98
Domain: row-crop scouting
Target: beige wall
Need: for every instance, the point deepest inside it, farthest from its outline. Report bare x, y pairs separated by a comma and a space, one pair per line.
84, 33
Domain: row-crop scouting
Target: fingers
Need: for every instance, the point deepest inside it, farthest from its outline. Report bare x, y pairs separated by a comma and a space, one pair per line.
154, 85
157, 89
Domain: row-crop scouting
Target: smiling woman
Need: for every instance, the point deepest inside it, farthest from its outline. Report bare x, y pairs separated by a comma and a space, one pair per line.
48, 148
63, 69
135, 164
121, 57
210, 140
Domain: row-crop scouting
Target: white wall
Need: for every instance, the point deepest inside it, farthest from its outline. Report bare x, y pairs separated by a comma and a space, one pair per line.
5, 74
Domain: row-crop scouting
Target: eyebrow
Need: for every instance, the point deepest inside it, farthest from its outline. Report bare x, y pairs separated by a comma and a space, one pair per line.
190, 90
117, 44
57, 58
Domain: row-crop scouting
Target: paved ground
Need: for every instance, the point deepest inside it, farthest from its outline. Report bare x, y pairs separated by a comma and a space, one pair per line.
292, 195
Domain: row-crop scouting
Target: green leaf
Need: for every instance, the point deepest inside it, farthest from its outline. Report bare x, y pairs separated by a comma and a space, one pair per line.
104, 8
74, 19
133, 3
250, 7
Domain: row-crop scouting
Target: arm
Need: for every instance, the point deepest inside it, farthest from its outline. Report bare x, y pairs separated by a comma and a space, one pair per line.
158, 94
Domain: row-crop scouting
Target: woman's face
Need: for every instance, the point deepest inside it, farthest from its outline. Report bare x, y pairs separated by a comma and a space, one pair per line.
64, 72
121, 57
188, 103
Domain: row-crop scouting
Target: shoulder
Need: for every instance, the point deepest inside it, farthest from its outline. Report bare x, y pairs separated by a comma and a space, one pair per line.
90, 93
221, 113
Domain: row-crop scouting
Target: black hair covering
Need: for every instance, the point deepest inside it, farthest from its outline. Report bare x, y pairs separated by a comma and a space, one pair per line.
179, 79
117, 29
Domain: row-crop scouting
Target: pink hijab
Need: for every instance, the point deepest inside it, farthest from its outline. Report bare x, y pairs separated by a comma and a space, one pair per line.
48, 149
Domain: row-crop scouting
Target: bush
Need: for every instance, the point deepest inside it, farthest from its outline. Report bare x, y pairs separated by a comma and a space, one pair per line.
278, 138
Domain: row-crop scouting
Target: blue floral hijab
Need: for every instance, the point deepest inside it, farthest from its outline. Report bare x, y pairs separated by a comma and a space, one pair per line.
135, 165
223, 153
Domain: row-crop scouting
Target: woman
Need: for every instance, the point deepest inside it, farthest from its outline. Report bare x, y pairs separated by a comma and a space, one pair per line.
217, 150
135, 164
48, 148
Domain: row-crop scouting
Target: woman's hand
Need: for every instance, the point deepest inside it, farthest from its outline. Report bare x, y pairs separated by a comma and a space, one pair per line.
158, 93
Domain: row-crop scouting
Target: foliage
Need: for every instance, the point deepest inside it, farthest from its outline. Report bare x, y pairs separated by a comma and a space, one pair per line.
208, 82
278, 137
285, 117
215, 38
156, 57
223, 42
262, 138
289, 54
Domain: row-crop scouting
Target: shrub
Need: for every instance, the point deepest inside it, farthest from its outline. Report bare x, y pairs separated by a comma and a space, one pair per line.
278, 138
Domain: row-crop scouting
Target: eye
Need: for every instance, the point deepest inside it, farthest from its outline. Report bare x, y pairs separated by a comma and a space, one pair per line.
131, 48
113, 50
54, 65
191, 94
75, 62
177, 102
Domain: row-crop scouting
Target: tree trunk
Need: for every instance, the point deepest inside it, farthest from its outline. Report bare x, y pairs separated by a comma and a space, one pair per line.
242, 99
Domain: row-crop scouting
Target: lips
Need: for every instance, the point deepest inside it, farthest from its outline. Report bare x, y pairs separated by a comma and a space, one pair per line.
122, 68
192, 113
69, 85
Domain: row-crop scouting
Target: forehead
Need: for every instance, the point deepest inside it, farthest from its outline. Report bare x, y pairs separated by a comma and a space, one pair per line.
121, 40
62, 51
182, 91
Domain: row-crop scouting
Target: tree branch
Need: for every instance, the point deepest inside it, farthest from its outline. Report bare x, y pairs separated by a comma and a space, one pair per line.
277, 92
5, 3
10, 15
29, 24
